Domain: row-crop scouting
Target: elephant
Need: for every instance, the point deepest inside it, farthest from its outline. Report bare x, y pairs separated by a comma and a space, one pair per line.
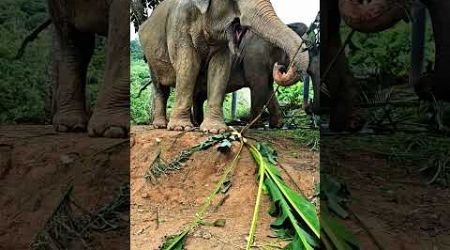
378, 15
76, 23
368, 17
182, 38
253, 69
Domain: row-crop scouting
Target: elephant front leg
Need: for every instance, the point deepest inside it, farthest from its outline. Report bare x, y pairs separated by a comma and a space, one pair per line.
73, 50
111, 113
218, 76
197, 109
187, 69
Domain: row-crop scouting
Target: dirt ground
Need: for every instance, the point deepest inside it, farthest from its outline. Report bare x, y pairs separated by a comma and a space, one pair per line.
164, 208
38, 166
393, 201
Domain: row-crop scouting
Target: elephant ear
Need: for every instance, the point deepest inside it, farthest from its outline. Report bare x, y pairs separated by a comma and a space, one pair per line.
202, 5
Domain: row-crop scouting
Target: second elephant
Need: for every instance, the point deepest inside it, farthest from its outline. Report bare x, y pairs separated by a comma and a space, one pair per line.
254, 70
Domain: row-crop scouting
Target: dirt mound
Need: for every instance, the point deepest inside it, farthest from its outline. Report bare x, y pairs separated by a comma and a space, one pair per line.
164, 208
39, 166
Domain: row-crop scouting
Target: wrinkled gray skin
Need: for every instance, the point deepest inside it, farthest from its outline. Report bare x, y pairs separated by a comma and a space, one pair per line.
77, 22
182, 37
253, 69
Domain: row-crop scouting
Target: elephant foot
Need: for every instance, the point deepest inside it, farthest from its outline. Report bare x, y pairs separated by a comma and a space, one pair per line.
213, 126
72, 121
353, 122
356, 122
180, 124
257, 124
437, 86
275, 122
159, 123
112, 124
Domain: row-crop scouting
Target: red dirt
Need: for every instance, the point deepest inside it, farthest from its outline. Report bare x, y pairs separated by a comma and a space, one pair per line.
395, 204
40, 166
164, 208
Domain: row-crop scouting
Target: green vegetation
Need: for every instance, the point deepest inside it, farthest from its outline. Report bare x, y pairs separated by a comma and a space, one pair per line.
25, 85
387, 52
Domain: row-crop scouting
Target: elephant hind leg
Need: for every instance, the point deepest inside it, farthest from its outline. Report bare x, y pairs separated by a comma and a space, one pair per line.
159, 104
197, 108
276, 116
73, 51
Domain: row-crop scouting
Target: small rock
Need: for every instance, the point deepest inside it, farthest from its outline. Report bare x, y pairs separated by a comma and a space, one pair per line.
206, 235
67, 159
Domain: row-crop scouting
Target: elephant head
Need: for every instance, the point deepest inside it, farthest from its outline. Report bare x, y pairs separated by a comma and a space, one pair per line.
260, 17
372, 15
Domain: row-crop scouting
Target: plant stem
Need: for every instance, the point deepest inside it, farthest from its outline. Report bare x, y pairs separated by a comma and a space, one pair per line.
262, 170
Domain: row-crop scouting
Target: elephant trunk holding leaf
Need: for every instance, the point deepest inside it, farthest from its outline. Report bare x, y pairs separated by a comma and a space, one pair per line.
182, 38
76, 23
377, 15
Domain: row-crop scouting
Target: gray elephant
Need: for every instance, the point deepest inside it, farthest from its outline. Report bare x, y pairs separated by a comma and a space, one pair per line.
76, 23
182, 38
253, 69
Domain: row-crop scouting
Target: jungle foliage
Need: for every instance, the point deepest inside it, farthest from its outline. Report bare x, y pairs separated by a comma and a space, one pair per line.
25, 85
387, 53
23, 82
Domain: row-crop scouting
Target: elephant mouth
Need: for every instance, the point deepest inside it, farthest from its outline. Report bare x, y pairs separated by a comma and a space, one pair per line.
236, 33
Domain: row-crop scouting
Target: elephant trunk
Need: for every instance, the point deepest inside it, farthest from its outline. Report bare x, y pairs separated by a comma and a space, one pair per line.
262, 19
372, 15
